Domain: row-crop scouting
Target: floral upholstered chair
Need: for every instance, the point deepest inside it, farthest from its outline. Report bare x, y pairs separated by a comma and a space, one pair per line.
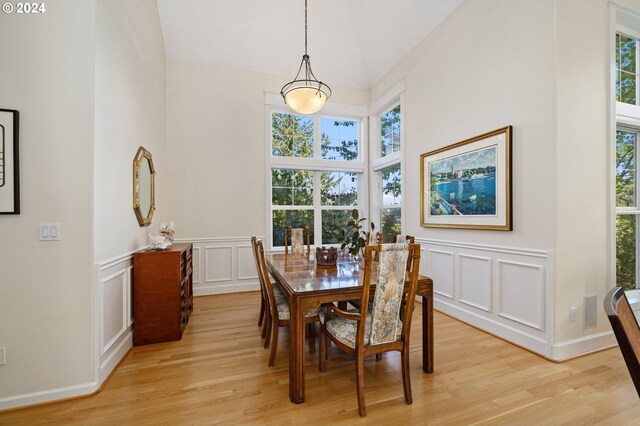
378, 328
277, 305
298, 236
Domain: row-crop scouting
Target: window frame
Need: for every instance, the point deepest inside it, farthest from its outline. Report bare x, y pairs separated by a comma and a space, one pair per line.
391, 99
317, 165
623, 117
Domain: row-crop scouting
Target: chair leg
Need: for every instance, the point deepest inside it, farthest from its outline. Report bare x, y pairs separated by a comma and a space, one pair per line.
261, 318
378, 357
274, 344
406, 376
265, 320
267, 331
323, 350
360, 384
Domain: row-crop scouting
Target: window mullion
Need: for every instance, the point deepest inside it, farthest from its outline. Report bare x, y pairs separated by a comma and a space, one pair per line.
317, 215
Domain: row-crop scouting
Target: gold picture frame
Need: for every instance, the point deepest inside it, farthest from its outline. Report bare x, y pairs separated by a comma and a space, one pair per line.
468, 184
144, 202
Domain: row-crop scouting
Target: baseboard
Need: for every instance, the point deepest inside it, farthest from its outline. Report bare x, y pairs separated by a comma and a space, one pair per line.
582, 345
517, 337
49, 395
115, 356
206, 290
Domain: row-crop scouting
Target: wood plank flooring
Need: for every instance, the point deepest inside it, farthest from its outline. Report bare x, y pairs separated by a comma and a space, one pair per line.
218, 374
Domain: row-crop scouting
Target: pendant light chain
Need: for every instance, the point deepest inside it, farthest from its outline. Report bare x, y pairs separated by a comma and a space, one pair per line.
305, 94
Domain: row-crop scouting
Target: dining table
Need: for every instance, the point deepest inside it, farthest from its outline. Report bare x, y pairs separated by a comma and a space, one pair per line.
308, 285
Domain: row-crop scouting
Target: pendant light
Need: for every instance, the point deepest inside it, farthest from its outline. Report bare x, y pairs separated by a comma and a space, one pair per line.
305, 94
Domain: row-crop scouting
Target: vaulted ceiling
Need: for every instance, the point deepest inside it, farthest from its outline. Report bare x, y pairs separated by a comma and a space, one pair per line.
350, 42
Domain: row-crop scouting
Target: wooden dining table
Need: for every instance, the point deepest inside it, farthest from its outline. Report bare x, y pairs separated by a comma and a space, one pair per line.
307, 286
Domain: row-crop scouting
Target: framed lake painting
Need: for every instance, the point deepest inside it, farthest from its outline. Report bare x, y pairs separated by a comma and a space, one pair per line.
468, 184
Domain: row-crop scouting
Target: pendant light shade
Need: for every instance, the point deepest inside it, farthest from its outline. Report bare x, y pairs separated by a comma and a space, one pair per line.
305, 94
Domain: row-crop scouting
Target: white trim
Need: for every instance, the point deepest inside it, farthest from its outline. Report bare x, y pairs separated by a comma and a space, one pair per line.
541, 287
54, 394
385, 100
489, 277
487, 247
582, 345
206, 290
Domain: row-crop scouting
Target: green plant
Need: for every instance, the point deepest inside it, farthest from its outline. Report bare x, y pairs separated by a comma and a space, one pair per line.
353, 237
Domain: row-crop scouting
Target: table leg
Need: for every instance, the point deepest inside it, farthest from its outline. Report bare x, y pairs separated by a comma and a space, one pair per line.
427, 333
296, 351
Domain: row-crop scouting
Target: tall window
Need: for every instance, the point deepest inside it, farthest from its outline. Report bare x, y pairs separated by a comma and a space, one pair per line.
627, 87
316, 174
626, 161
387, 171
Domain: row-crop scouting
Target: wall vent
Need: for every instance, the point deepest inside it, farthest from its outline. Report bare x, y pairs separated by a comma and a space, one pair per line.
590, 310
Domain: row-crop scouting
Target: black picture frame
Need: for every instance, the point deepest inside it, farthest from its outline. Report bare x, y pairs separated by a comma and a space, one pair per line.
9, 164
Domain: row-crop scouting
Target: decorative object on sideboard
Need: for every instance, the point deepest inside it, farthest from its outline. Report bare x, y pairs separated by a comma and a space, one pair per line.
168, 230
159, 242
9, 174
326, 256
468, 184
144, 203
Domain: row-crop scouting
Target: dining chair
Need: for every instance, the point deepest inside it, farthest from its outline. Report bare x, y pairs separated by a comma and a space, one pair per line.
626, 329
263, 299
279, 313
298, 235
372, 331
409, 239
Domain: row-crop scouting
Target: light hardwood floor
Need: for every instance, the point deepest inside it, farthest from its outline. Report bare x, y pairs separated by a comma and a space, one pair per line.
218, 374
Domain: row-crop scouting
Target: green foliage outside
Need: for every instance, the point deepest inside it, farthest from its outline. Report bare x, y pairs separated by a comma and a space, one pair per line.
292, 136
626, 197
626, 80
390, 132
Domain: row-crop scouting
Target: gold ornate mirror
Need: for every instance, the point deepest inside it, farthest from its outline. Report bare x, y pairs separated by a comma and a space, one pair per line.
144, 203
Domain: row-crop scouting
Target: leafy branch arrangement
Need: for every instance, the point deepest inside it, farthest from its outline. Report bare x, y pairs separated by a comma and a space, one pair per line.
353, 237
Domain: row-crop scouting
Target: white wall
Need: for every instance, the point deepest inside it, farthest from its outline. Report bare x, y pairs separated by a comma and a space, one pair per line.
542, 67
46, 321
217, 146
130, 112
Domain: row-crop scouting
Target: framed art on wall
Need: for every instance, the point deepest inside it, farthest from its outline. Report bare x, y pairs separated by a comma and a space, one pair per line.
468, 184
9, 176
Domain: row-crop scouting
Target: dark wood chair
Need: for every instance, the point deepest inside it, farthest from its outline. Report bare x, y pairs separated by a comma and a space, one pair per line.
298, 237
263, 299
626, 329
361, 333
278, 307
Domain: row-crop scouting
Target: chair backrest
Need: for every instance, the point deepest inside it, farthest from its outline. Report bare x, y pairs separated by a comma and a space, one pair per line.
254, 247
626, 329
263, 276
388, 307
409, 239
298, 236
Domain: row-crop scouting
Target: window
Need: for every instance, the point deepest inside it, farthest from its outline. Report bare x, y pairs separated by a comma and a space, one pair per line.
627, 208
387, 169
627, 198
316, 174
391, 211
627, 70
390, 132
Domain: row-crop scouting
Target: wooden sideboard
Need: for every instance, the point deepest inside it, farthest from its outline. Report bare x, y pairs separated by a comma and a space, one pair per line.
162, 293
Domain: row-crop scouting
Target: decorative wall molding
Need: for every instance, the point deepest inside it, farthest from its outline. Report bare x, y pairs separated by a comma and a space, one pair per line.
505, 291
48, 395
114, 312
222, 265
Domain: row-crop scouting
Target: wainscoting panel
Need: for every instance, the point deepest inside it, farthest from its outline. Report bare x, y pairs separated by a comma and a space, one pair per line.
520, 293
114, 312
218, 264
475, 281
441, 269
503, 290
223, 265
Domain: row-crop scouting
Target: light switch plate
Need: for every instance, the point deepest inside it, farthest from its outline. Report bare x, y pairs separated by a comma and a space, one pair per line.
49, 232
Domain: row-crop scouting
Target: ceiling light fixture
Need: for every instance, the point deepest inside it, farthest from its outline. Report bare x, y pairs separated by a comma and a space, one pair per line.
305, 94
